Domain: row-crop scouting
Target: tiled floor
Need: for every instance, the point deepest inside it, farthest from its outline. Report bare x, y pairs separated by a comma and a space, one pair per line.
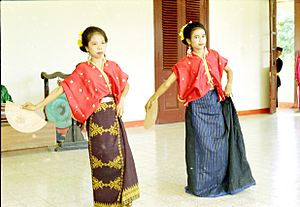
44, 179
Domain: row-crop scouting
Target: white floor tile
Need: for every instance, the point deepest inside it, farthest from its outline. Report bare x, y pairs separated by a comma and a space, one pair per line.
63, 178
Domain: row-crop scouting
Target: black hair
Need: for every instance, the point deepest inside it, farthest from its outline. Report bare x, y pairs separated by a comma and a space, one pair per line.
189, 28
279, 49
88, 33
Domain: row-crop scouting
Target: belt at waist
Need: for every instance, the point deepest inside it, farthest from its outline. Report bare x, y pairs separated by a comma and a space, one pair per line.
107, 99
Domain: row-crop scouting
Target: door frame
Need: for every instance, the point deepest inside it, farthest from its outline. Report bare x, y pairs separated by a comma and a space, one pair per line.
273, 45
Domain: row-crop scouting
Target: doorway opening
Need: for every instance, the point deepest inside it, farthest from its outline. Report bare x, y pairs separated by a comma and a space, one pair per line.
285, 39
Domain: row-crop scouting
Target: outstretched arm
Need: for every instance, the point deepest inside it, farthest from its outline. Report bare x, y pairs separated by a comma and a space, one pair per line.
161, 90
228, 89
51, 97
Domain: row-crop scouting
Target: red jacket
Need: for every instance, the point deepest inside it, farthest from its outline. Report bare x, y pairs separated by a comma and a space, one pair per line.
192, 80
85, 87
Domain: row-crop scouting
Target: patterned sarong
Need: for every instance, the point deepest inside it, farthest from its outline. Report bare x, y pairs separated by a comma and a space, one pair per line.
114, 178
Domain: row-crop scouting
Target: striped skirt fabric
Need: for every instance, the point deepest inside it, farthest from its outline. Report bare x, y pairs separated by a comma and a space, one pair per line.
206, 147
114, 178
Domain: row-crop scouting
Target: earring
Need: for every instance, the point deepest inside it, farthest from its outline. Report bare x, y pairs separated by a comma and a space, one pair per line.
189, 51
89, 57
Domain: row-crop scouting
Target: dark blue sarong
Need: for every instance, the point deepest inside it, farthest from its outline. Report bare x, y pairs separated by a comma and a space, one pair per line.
207, 148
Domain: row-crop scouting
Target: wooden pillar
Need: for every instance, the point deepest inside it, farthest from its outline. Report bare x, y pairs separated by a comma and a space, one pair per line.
297, 40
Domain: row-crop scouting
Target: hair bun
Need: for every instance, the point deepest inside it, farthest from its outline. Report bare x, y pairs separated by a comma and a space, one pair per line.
82, 48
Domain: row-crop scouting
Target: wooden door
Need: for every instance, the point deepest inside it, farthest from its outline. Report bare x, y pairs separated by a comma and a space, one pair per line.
169, 17
273, 78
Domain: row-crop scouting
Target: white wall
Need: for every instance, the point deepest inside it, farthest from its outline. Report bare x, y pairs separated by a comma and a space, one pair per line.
41, 36
239, 30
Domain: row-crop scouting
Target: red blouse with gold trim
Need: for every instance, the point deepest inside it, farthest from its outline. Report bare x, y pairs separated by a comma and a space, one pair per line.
192, 80
86, 86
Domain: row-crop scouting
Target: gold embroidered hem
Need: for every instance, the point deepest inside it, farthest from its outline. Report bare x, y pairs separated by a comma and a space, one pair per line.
111, 205
130, 194
97, 204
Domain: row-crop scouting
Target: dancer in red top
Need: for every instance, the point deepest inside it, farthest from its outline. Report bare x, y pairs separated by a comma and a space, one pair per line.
96, 92
198, 76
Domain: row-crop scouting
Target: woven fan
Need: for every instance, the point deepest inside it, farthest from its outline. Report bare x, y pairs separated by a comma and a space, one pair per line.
151, 115
23, 120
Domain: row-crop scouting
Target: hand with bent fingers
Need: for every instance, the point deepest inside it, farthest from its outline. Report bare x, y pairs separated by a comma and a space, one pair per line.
149, 103
228, 91
29, 106
120, 108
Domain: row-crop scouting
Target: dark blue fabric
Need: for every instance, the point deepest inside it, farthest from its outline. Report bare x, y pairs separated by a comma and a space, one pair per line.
206, 146
239, 174
211, 152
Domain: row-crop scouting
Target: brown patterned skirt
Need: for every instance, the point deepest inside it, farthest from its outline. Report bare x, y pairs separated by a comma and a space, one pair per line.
114, 178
